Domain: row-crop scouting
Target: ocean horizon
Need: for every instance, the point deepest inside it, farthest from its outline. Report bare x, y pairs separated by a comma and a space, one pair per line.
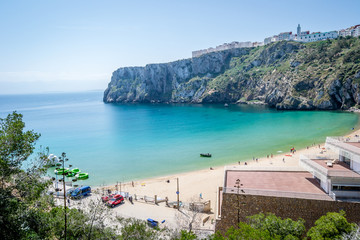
125, 142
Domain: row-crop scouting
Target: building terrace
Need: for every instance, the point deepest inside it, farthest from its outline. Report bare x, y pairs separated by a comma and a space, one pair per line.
281, 182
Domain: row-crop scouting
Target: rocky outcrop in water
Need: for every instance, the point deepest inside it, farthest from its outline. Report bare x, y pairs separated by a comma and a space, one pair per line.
284, 75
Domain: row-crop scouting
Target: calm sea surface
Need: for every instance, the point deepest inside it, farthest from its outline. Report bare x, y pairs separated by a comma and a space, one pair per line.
122, 142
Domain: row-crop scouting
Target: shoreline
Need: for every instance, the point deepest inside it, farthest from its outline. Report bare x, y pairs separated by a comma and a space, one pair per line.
203, 184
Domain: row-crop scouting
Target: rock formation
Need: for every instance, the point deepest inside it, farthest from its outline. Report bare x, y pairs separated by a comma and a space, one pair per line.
284, 75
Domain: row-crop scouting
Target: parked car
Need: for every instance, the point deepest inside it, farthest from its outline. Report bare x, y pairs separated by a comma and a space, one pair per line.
81, 192
107, 198
69, 191
117, 199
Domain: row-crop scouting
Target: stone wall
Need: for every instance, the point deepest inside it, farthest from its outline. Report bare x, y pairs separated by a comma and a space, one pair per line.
294, 208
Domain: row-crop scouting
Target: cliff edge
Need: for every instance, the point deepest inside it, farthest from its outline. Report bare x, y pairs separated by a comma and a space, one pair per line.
284, 75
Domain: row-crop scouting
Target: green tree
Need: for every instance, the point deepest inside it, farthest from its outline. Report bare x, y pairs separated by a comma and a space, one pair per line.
137, 229
244, 232
277, 227
186, 235
20, 187
331, 226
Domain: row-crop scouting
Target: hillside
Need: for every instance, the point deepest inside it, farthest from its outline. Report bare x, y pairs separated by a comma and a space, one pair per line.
284, 75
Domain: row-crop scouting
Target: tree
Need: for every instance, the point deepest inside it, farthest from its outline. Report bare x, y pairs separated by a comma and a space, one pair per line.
277, 227
20, 187
15, 146
137, 229
331, 226
244, 232
261, 226
354, 235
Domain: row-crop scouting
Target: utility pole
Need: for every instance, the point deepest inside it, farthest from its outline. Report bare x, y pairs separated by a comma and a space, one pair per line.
178, 193
63, 159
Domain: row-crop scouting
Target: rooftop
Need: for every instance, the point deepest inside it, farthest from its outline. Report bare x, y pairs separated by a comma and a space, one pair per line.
339, 169
348, 144
293, 184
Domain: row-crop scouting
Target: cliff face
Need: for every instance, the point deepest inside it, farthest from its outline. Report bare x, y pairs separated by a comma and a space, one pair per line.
284, 75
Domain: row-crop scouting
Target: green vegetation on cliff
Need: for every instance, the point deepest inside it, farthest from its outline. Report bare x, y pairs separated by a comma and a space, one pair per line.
285, 75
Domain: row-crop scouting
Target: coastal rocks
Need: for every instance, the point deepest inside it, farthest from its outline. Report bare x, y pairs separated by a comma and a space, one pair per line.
282, 75
168, 82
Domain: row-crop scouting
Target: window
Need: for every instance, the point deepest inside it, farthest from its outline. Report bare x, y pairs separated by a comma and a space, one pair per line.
345, 188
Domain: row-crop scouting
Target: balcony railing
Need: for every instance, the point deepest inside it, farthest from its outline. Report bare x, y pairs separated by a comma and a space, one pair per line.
276, 193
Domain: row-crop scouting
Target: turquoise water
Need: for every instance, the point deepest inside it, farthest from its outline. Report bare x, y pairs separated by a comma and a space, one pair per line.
122, 142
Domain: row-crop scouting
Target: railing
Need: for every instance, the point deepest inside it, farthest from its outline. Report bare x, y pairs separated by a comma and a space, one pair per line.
343, 139
321, 172
333, 196
311, 166
273, 193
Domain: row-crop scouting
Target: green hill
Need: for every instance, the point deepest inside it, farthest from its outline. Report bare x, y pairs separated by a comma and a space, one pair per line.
284, 75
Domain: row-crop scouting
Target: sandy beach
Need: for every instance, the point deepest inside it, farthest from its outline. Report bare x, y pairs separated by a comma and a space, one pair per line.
196, 186
193, 185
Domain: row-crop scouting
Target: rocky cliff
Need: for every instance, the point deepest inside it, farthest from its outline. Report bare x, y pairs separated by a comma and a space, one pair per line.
284, 75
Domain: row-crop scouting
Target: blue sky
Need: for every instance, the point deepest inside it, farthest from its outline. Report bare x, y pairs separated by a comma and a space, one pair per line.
51, 46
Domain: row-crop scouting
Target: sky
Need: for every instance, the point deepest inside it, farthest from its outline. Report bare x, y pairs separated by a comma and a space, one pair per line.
69, 46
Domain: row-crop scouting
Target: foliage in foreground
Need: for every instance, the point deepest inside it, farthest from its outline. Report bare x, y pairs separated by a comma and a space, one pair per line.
331, 226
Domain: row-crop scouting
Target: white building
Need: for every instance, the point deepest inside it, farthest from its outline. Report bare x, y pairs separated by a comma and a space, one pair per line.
353, 31
222, 47
337, 168
357, 31
344, 32
257, 44
318, 36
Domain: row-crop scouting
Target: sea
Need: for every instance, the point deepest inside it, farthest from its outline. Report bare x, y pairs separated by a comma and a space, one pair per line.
126, 142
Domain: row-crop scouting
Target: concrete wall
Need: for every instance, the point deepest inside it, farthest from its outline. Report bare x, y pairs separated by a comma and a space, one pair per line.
294, 208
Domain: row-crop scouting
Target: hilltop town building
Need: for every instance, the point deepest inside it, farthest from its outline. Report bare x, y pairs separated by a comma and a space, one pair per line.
353, 31
300, 36
318, 36
222, 47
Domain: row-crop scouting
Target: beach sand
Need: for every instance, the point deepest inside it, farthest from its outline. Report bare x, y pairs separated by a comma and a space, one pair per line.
204, 182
